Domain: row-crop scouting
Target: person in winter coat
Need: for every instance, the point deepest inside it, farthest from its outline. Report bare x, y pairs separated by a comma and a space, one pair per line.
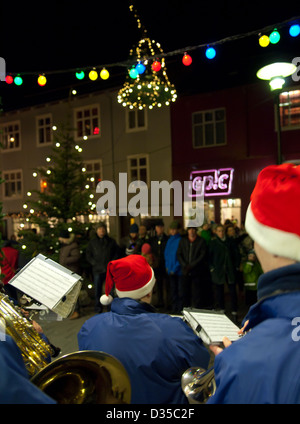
158, 244
263, 365
191, 255
69, 257
100, 250
223, 268
154, 348
9, 264
69, 254
251, 272
15, 384
173, 267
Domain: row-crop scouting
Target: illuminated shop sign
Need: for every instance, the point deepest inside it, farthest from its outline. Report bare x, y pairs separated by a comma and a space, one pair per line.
214, 182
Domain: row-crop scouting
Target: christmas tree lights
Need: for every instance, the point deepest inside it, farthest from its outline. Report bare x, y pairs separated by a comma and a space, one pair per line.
151, 87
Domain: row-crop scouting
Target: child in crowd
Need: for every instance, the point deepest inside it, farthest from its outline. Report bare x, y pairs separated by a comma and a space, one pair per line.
251, 272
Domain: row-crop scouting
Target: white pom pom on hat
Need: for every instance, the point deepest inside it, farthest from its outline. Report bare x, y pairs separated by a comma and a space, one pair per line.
132, 277
106, 300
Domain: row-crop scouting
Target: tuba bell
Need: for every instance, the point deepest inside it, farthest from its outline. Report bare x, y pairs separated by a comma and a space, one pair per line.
83, 377
198, 384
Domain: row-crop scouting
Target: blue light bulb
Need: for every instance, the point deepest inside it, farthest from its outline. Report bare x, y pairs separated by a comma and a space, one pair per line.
140, 68
210, 53
294, 30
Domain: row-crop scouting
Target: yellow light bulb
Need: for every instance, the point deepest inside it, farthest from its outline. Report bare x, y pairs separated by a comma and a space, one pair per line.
104, 74
93, 75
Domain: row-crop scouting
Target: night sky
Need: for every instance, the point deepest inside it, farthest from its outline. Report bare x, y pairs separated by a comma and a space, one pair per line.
53, 36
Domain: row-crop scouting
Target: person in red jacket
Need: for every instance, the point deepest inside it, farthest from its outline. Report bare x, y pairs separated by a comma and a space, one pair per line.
9, 264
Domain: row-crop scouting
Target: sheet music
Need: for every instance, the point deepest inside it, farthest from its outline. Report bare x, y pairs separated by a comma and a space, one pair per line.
211, 327
45, 281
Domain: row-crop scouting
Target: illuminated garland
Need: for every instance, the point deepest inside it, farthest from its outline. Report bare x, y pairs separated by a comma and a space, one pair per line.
210, 52
147, 83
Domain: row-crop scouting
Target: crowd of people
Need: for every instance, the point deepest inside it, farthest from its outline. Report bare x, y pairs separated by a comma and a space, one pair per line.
156, 348
193, 267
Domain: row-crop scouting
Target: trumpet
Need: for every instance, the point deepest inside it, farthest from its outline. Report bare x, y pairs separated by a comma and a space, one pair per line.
198, 384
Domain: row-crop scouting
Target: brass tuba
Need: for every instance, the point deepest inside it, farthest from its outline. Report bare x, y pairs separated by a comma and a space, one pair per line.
198, 384
82, 377
34, 349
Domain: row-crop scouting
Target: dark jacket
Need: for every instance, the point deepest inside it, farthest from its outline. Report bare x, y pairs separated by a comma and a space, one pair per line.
69, 256
100, 251
158, 245
222, 266
191, 255
263, 366
154, 348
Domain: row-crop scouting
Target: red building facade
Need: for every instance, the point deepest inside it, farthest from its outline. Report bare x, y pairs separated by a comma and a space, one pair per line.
224, 138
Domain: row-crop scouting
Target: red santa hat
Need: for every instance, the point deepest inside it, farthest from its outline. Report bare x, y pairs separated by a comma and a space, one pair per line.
273, 216
132, 277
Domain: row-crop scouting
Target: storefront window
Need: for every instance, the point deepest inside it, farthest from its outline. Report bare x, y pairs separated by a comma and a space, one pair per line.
230, 209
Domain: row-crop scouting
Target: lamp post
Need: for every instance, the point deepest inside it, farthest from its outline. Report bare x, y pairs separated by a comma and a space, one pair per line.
276, 74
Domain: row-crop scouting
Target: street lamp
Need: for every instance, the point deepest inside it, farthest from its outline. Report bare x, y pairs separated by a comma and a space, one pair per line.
276, 74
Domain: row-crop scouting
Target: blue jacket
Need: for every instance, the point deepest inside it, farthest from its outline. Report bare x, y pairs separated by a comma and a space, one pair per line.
154, 348
172, 263
15, 387
264, 365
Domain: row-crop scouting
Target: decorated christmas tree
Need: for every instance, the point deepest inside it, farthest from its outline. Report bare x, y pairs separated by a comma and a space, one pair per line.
63, 202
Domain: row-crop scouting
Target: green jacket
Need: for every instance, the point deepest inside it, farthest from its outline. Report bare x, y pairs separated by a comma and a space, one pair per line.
251, 273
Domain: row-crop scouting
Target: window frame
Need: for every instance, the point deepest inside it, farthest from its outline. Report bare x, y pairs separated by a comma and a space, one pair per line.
289, 126
203, 123
37, 126
2, 128
94, 161
136, 128
138, 167
76, 120
11, 171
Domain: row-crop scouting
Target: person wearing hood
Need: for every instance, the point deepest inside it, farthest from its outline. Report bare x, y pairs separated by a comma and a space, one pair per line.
69, 254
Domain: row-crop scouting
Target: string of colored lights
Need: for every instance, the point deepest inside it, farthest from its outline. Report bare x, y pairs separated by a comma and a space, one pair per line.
80, 73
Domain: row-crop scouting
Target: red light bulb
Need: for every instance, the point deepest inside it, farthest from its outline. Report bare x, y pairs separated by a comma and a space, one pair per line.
187, 60
9, 79
156, 66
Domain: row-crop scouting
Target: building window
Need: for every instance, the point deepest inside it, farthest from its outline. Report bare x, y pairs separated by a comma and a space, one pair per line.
94, 169
136, 120
44, 130
231, 210
10, 136
87, 121
289, 104
12, 186
209, 128
138, 168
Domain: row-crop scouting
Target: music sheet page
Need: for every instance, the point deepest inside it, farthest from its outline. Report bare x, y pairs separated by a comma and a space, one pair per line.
44, 281
212, 326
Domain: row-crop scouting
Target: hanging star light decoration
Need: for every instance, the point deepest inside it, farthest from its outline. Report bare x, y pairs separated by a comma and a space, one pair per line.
147, 83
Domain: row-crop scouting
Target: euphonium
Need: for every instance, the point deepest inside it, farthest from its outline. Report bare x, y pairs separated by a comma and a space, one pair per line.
198, 384
77, 378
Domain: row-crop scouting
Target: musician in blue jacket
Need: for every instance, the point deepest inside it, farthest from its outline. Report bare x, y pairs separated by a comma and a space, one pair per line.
154, 348
263, 366
15, 386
